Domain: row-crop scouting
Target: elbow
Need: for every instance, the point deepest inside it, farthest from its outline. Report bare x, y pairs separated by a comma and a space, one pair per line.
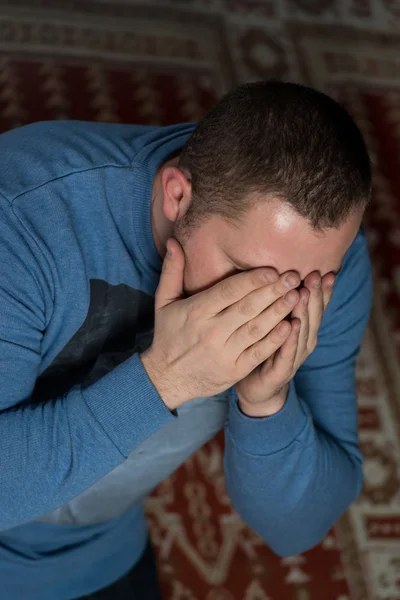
292, 547
294, 534
307, 534
287, 536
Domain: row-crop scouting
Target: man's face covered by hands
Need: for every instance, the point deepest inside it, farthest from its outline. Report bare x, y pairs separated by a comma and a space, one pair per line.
274, 328
270, 235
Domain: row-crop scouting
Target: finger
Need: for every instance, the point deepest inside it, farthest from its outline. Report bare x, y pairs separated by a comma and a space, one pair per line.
252, 305
264, 349
170, 287
256, 329
301, 312
283, 367
234, 288
328, 282
315, 307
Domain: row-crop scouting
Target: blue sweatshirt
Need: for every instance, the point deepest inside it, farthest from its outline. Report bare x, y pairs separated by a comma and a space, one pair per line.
84, 435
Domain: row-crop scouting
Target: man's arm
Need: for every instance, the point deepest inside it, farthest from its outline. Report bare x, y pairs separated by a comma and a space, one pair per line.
52, 451
291, 475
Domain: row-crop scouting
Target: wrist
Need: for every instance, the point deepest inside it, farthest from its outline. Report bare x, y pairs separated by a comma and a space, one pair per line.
160, 383
264, 409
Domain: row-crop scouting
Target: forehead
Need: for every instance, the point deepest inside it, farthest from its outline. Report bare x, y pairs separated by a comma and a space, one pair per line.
273, 235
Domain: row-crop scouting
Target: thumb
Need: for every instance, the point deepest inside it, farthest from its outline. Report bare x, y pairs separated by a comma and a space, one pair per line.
170, 287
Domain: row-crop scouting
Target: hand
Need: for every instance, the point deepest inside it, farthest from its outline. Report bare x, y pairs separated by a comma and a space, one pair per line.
263, 392
204, 344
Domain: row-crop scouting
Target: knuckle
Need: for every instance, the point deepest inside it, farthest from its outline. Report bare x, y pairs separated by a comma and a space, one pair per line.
253, 329
246, 308
194, 311
227, 289
272, 274
255, 278
280, 307
256, 354
278, 289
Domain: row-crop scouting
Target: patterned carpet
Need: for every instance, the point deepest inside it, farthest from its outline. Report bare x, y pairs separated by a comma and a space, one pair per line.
167, 61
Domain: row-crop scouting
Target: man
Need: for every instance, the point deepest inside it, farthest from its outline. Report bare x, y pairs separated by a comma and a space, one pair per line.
262, 203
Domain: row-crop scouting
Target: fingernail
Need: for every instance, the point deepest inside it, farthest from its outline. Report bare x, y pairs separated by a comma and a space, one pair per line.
168, 253
317, 283
306, 299
289, 281
331, 283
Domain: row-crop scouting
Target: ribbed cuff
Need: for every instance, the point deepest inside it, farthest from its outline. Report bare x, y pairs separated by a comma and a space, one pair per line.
127, 405
266, 435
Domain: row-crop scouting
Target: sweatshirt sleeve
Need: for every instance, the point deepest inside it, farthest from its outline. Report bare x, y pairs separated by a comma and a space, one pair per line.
292, 475
52, 451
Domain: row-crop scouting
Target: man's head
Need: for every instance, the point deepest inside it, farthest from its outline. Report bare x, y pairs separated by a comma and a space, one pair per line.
275, 174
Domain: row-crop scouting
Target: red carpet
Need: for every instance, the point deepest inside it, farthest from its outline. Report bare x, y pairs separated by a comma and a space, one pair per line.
141, 64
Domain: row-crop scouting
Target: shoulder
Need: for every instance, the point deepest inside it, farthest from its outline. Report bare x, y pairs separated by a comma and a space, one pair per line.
35, 154
352, 297
356, 263
356, 269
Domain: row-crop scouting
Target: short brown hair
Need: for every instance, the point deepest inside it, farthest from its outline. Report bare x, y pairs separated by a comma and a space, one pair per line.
282, 139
